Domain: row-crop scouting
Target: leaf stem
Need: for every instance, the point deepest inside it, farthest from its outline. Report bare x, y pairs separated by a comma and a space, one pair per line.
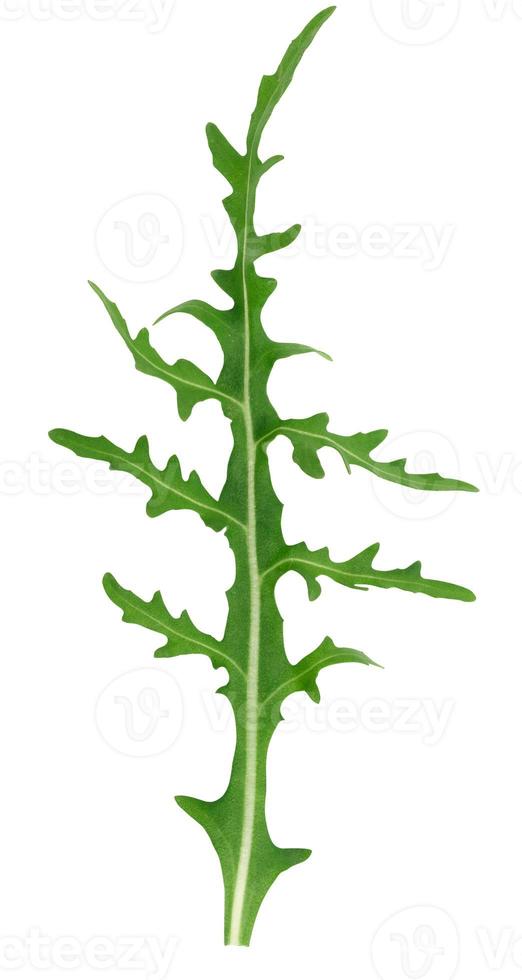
249, 802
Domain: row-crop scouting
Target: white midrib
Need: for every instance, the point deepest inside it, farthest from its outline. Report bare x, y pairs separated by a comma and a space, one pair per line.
249, 804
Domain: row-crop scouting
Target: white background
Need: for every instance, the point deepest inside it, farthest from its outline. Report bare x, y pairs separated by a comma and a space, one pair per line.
406, 782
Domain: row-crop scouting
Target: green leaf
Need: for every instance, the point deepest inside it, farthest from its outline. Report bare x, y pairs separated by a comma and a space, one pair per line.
190, 383
253, 648
359, 573
169, 490
308, 436
226, 158
220, 820
181, 634
217, 320
306, 671
274, 86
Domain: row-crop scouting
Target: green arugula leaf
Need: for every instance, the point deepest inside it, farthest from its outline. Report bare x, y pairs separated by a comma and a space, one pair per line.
260, 676
169, 490
359, 573
306, 671
190, 383
181, 634
310, 435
